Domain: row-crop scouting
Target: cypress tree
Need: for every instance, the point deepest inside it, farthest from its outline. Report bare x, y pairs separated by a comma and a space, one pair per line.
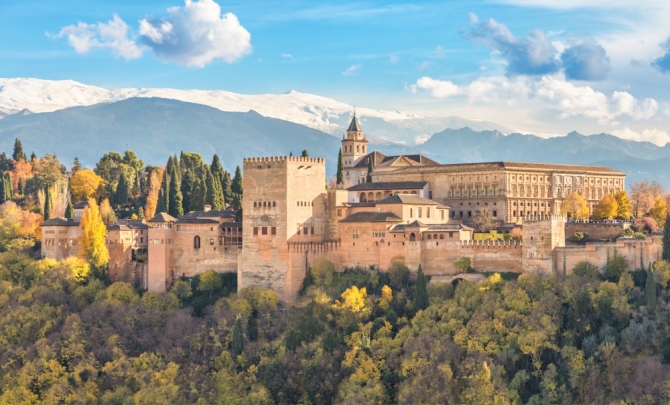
22, 186
237, 345
121, 196
140, 213
666, 240
176, 208
33, 156
226, 189
340, 168
371, 168
163, 204
8, 186
217, 169
47, 203
3, 190
650, 290
69, 211
421, 290
305, 153
236, 186
187, 189
18, 151
214, 196
198, 196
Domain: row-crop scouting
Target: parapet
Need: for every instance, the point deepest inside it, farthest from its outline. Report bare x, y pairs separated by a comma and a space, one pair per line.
269, 159
540, 218
490, 243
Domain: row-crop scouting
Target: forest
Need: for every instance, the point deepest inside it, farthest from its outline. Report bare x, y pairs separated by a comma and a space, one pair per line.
356, 336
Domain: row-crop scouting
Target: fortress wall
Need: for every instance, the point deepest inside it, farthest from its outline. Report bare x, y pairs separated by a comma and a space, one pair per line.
439, 257
596, 231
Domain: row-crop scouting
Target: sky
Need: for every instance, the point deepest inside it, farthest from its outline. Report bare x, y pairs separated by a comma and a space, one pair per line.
539, 66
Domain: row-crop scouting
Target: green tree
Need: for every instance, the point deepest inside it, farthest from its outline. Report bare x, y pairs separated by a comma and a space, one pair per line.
3, 190
47, 204
615, 267
371, 168
650, 291
217, 169
464, 264
198, 196
237, 343
188, 181
69, 211
121, 196
9, 189
18, 151
226, 188
666, 239
210, 281
236, 185
76, 165
214, 196
305, 153
92, 240
340, 168
21, 186
163, 204
399, 274
175, 207
421, 290
182, 290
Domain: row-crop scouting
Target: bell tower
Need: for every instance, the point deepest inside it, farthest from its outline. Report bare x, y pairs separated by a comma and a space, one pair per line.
354, 144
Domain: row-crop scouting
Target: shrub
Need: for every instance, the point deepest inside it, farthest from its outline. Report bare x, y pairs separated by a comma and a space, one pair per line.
585, 269
579, 237
464, 264
399, 274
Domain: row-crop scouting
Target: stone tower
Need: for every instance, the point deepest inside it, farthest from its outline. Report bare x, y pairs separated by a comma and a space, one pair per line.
541, 235
354, 144
284, 202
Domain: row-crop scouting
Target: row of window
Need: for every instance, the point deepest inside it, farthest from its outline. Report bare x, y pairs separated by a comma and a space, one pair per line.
265, 204
420, 212
264, 230
305, 204
61, 242
523, 213
350, 148
469, 214
306, 230
473, 192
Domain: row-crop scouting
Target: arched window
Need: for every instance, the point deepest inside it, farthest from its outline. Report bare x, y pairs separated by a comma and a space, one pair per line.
358, 148
412, 237
429, 237
363, 198
441, 236
196, 242
274, 203
265, 204
435, 236
254, 204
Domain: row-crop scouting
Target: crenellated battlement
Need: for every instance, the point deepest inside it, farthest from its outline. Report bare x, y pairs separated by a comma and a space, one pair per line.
540, 218
272, 159
490, 244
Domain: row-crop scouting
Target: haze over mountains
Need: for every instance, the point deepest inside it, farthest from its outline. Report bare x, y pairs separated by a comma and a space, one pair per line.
88, 121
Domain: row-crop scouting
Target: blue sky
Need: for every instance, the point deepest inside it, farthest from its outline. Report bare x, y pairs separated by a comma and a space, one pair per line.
544, 66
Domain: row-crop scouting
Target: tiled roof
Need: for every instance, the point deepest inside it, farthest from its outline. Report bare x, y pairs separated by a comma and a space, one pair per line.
372, 217
506, 165
406, 199
381, 160
61, 222
389, 185
436, 227
354, 126
183, 220
208, 214
80, 205
117, 227
162, 217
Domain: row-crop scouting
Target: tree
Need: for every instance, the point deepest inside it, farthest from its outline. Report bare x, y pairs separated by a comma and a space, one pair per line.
321, 271
340, 168
666, 240
122, 189
7, 185
85, 184
69, 211
483, 220
644, 194
305, 153
198, 196
659, 211
463, 264
236, 186
106, 212
163, 204
421, 290
21, 186
650, 291
371, 168
153, 188
3, 190
176, 208
237, 343
217, 169
21, 170
47, 204
210, 281
18, 151
182, 290
76, 165
623, 205
399, 274
226, 188
214, 196
615, 267
92, 240
575, 207
607, 208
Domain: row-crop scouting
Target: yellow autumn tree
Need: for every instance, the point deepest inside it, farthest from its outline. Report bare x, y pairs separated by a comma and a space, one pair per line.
85, 184
575, 207
92, 240
606, 208
155, 178
353, 299
624, 206
387, 297
659, 211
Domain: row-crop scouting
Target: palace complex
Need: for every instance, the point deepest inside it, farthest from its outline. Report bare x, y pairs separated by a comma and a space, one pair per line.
415, 211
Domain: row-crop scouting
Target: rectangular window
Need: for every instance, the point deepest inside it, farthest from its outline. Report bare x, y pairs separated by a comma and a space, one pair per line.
273, 230
461, 214
453, 214
264, 230
451, 234
339, 213
514, 213
410, 213
521, 213
211, 241
442, 213
495, 213
469, 214
419, 212
427, 212
255, 230
304, 230
312, 231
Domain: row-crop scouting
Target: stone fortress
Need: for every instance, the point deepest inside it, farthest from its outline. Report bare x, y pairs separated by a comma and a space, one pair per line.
415, 211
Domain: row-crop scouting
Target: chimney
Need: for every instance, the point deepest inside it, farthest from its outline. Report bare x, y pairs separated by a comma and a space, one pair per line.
208, 208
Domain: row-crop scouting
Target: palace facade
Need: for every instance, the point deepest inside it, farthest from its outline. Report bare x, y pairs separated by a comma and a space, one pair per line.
415, 211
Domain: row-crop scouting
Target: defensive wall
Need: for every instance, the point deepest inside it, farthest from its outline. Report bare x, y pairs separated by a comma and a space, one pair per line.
596, 230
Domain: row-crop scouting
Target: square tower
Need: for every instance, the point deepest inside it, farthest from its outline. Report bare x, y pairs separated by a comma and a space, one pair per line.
354, 144
541, 235
284, 201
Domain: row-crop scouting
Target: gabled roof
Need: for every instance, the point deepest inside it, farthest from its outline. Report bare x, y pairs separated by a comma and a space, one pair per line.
117, 227
389, 185
162, 217
61, 222
208, 214
381, 160
416, 224
80, 205
182, 220
406, 199
354, 126
372, 217
485, 166
437, 227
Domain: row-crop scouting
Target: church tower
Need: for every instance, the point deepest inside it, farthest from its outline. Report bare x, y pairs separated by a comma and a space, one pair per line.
354, 144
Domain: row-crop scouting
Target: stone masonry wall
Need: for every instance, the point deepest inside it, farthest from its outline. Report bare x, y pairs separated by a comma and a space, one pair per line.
596, 231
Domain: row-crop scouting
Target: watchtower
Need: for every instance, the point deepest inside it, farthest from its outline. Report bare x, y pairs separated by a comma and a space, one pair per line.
541, 235
354, 144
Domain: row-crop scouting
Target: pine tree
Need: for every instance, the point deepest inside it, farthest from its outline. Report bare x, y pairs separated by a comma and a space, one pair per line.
236, 186
340, 168
237, 344
666, 240
421, 290
650, 290
76, 166
18, 151
47, 203
305, 153
121, 196
33, 156
176, 209
371, 168
69, 211
161, 206
22, 186
92, 240
214, 196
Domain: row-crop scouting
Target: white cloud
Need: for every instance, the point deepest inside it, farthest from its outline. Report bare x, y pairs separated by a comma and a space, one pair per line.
111, 35
351, 70
196, 34
437, 88
472, 18
393, 59
286, 55
425, 64
654, 135
439, 51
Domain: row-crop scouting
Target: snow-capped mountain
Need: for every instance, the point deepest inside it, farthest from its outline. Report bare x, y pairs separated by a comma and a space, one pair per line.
314, 111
